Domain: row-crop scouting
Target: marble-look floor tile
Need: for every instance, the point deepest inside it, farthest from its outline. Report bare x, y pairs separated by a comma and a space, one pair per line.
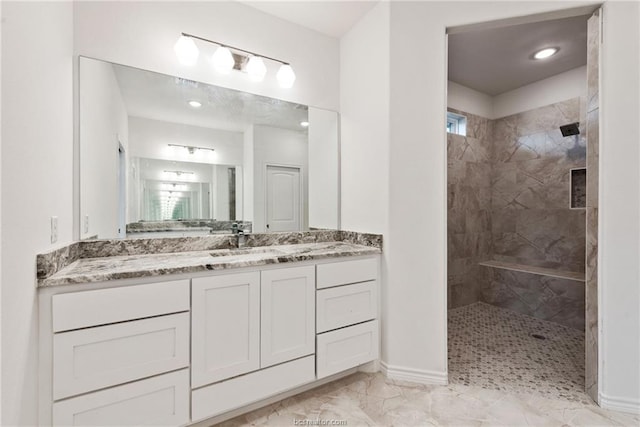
366, 399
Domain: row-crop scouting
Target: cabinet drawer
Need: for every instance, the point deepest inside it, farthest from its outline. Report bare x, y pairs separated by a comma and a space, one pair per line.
157, 401
346, 305
346, 348
231, 394
345, 272
77, 310
94, 358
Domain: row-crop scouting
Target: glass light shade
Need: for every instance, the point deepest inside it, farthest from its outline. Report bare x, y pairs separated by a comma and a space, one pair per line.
186, 51
286, 76
256, 68
223, 61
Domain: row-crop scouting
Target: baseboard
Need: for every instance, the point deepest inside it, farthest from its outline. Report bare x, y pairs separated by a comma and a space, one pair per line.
621, 404
413, 375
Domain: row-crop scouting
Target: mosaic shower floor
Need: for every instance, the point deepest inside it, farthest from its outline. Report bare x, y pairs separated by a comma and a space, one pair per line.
493, 348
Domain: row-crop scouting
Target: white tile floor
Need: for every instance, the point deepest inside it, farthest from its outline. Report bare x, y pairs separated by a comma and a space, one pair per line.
500, 376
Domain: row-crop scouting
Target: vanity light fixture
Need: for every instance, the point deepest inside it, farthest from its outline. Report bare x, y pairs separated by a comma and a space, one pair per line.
178, 173
256, 68
195, 104
192, 149
304, 124
186, 51
545, 53
223, 60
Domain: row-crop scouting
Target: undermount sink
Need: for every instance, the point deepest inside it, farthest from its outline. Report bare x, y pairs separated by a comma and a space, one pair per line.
245, 251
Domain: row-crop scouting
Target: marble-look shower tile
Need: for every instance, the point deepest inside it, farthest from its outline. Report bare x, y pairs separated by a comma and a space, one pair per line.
593, 157
478, 221
591, 304
548, 117
479, 174
593, 71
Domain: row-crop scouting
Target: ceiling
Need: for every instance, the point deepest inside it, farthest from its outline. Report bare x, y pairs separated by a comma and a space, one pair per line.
161, 97
497, 60
332, 18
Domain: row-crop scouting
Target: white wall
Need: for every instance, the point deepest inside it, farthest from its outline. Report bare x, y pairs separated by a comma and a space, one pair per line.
364, 140
221, 190
364, 123
469, 100
281, 147
102, 127
150, 138
142, 34
563, 86
37, 143
619, 205
324, 155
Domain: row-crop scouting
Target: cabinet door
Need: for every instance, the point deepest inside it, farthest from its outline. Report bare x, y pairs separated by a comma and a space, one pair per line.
225, 327
288, 314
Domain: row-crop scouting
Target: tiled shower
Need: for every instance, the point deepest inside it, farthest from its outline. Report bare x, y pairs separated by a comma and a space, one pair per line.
516, 252
509, 195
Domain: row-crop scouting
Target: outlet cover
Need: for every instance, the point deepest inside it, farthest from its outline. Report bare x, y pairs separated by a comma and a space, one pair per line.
54, 229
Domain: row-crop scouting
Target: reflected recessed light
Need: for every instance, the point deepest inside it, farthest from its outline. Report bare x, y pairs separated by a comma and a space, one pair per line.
195, 104
545, 53
304, 124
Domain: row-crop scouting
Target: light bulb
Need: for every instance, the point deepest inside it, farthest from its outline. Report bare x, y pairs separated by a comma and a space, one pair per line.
186, 51
223, 60
286, 76
256, 68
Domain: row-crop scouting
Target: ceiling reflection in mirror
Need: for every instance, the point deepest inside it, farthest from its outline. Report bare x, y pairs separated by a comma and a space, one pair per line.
165, 156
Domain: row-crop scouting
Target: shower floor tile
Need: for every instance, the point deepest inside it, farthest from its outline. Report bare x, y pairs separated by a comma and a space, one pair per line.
493, 348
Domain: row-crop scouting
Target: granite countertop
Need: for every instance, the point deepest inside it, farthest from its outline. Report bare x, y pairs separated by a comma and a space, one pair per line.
88, 270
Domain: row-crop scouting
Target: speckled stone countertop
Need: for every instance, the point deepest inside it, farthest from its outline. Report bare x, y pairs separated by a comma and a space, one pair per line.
89, 270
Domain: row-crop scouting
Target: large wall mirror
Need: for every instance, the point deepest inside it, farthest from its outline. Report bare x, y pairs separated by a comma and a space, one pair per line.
164, 156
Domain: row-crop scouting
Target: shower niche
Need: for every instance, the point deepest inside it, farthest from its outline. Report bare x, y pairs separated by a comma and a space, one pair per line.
578, 183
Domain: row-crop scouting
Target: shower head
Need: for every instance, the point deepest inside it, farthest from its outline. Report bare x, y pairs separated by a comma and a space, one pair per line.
570, 129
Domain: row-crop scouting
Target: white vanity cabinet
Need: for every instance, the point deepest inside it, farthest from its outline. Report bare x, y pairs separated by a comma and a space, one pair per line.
116, 356
150, 352
347, 325
245, 324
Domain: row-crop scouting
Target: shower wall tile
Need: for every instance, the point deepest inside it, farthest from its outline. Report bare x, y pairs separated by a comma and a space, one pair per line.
531, 163
469, 208
593, 111
509, 199
548, 298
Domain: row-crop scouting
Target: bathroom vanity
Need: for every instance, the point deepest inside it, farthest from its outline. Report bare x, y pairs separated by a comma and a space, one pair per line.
177, 338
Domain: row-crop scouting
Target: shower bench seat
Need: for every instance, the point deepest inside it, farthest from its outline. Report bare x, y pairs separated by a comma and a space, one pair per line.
541, 271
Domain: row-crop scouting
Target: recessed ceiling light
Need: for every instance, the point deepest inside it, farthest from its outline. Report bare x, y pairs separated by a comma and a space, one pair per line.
304, 124
195, 104
545, 53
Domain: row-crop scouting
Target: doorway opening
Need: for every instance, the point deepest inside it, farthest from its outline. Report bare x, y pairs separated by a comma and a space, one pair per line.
517, 239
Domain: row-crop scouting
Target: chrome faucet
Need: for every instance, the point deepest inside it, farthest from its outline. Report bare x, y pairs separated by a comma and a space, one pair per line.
241, 239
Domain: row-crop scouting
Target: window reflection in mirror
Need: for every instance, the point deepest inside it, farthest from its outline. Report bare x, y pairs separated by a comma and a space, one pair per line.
164, 156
